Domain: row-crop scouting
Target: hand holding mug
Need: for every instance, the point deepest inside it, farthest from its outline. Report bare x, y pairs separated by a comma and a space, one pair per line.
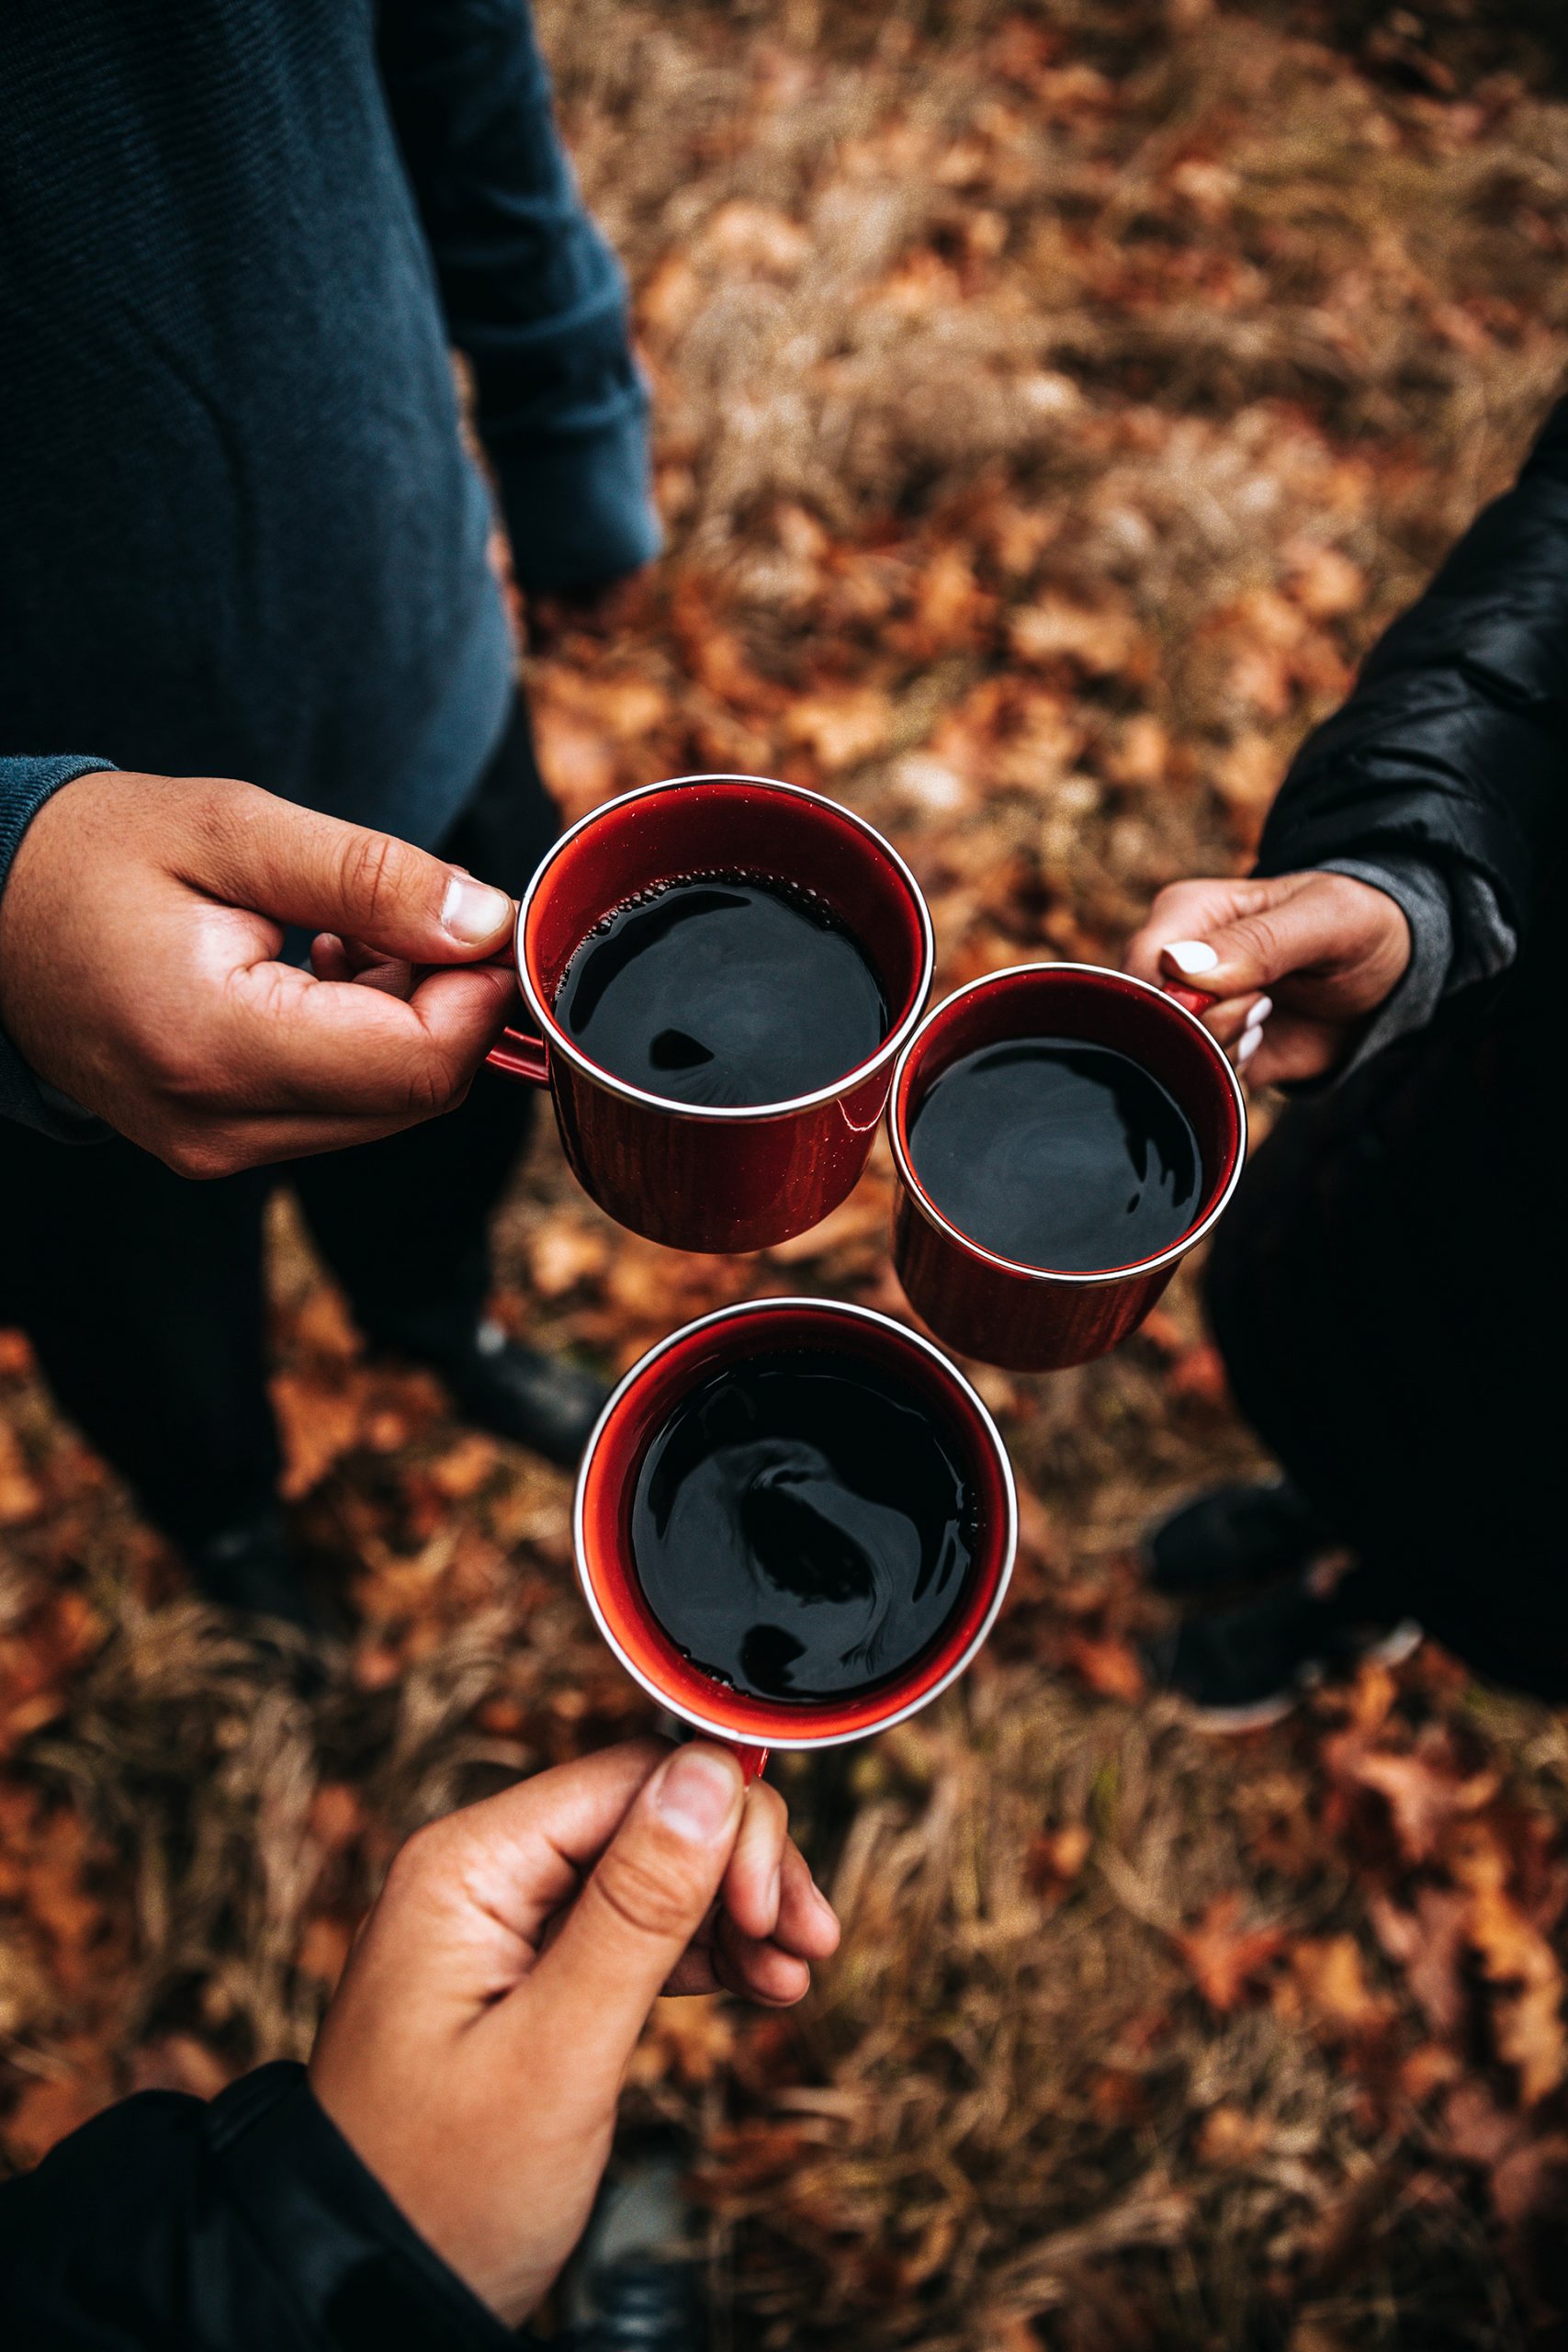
474, 2052
140, 930
1282, 970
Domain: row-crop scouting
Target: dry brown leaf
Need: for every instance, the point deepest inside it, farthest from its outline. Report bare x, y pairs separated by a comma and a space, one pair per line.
1224, 1957
1106, 1663
564, 1251
1095, 639
1228, 2136
318, 1421
1327, 1976
841, 728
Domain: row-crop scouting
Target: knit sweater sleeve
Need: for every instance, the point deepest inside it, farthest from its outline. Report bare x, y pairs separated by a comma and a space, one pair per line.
24, 785
534, 296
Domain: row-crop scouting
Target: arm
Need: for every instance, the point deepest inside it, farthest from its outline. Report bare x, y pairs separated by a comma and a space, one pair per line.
534, 296
1450, 750
423, 2186
1402, 857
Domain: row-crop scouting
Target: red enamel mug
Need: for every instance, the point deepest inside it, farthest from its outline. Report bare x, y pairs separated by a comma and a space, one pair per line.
997, 1309
641, 1407
687, 1175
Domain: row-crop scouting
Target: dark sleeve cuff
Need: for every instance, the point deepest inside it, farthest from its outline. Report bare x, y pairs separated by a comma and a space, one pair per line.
578, 505
24, 785
327, 2228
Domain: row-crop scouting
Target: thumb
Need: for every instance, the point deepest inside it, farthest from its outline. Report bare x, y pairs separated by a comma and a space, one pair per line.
651, 1891
263, 854
1285, 929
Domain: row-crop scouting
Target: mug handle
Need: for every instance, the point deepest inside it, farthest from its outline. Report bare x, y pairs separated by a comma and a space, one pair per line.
753, 1761
517, 1054
1189, 1000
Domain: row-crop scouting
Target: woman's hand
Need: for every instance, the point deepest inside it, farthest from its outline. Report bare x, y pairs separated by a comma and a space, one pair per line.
1293, 965
474, 2052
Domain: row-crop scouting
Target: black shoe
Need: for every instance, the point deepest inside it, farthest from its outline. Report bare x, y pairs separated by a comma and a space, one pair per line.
632, 2286
250, 1568
644, 2304
515, 1392
1232, 1538
1241, 1668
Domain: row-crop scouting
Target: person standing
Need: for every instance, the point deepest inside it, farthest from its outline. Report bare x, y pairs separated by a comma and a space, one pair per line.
1386, 1289
240, 536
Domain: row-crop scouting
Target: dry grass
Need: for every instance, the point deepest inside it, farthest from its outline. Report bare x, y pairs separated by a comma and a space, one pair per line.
1052, 403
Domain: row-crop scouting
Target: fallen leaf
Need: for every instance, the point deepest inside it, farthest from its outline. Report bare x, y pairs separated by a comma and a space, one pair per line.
1225, 1958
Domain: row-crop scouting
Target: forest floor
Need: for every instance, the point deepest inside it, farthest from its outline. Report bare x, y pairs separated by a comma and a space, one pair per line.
1053, 404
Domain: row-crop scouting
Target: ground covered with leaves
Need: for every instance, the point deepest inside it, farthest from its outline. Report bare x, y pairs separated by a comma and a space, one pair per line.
1052, 403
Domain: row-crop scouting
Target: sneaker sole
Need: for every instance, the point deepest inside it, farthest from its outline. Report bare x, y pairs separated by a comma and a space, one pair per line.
1400, 1641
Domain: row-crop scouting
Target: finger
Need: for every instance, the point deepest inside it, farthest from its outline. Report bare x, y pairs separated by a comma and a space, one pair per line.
332, 959
523, 1854
756, 1969
752, 1882
1184, 910
808, 1923
649, 1893
252, 850
1294, 925
1292, 1049
1227, 1018
293, 1042
694, 1973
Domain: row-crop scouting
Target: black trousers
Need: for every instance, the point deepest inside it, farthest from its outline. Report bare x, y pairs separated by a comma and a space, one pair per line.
1387, 1290
144, 1293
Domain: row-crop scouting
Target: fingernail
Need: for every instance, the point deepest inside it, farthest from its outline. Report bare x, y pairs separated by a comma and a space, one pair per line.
1247, 1046
1191, 954
473, 912
697, 1794
1259, 1014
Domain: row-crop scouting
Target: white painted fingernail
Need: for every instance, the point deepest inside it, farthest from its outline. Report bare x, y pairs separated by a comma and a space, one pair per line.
1191, 956
1247, 1046
1260, 1013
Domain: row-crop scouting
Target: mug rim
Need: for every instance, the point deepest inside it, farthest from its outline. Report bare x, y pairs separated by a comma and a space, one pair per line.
851, 1312
557, 1040
919, 1199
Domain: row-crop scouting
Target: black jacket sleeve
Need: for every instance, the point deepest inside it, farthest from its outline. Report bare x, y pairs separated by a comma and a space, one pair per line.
1453, 747
247, 2225
534, 297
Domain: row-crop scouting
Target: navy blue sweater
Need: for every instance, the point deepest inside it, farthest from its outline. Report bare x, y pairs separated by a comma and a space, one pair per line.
238, 532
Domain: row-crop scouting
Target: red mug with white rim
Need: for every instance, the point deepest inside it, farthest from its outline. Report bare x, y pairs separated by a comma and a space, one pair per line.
997, 1309
640, 1409
685, 1174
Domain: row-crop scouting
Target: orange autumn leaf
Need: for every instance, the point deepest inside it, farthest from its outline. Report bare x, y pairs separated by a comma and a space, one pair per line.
1224, 1958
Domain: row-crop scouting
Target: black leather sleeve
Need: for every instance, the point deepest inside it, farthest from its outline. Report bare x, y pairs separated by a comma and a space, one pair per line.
1453, 746
247, 2225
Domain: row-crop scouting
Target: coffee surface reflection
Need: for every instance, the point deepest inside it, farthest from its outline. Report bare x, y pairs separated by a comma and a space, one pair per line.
803, 1526
1058, 1154
723, 991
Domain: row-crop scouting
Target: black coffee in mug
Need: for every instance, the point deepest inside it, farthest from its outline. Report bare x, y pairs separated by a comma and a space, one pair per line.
723, 991
1058, 1154
803, 1527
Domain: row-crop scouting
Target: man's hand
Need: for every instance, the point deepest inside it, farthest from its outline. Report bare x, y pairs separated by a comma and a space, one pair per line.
474, 2052
138, 932
1295, 965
